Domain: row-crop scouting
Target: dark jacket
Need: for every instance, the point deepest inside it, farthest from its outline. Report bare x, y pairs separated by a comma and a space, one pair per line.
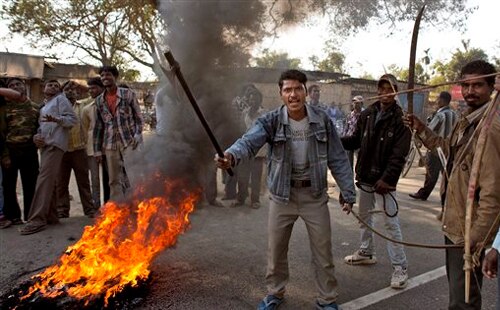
383, 145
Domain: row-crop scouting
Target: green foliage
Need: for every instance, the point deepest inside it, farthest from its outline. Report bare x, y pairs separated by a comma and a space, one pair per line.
402, 74
427, 72
439, 79
272, 59
333, 62
348, 16
451, 70
129, 75
496, 63
106, 30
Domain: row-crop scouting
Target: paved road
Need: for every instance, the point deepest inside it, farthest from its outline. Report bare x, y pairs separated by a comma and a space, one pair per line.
220, 262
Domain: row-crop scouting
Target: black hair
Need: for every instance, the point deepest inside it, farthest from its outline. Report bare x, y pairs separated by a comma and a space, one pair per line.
255, 91
111, 69
54, 81
293, 75
480, 67
311, 87
71, 84
13, 79
445, 96
243, 89
63, 86
95, 81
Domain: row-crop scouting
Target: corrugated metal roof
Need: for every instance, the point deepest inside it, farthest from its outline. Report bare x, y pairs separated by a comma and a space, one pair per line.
21, 65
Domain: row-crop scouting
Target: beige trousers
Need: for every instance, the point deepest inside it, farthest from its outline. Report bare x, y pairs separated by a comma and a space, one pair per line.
314, 212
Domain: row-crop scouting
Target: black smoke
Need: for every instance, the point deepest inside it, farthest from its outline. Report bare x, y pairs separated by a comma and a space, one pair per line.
210, 40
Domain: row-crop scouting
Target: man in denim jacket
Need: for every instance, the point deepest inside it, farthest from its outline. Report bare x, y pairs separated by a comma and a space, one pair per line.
302, 144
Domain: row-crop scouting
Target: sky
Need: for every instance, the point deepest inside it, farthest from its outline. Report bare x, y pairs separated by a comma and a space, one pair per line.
371, 51
368, 52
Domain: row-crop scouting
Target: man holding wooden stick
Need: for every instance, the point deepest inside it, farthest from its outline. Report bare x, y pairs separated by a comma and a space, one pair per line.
491, 262
472, 150
302, 144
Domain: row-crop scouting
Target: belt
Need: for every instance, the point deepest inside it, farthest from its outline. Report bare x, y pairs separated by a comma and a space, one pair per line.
300, 183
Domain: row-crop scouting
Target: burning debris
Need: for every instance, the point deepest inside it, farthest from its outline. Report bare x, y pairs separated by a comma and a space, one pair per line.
130, 297
111, 260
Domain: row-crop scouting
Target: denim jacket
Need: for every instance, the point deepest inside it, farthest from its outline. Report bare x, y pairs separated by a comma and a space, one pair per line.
325, 151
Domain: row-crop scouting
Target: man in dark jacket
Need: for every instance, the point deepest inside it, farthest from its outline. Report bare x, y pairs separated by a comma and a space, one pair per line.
383, 142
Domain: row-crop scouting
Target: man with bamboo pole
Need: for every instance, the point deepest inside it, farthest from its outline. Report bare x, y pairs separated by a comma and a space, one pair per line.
472, 150
491, 262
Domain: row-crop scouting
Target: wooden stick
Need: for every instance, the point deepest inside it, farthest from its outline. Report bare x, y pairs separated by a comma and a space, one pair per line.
419, 89
413, 54
189, 94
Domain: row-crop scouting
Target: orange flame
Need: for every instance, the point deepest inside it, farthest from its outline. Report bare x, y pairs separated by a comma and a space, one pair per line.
119, 248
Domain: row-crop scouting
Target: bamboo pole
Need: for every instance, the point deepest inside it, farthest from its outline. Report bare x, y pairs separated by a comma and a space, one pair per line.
420, 89
476, 165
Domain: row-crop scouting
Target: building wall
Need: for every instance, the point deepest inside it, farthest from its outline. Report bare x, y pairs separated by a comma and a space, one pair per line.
21, 65
330, 93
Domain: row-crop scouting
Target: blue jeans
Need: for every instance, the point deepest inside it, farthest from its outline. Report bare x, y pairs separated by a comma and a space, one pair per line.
367, 203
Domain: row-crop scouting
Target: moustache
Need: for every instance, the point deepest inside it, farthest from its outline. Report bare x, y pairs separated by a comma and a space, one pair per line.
471, 97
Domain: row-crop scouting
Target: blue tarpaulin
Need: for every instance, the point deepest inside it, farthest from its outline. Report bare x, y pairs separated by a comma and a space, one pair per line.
418, 104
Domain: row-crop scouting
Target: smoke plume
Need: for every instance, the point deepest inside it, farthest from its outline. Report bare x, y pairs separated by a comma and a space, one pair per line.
210, 40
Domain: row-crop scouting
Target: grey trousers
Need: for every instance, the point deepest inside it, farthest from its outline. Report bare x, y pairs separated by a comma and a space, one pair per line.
314, 212
119, 184
43, 207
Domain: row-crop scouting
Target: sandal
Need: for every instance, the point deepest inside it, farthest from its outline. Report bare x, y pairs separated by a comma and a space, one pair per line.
270, 302
17, 221
4, 223
31, 228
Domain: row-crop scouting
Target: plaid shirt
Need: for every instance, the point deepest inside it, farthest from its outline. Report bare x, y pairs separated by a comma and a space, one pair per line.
352, 121
325, 152
111, 131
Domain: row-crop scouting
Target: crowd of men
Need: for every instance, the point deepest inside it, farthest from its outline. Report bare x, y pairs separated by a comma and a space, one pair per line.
70, 135
304, 140
303, 143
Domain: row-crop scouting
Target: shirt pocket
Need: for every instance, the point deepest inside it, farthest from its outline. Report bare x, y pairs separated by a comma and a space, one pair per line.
322, 144
278, 148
